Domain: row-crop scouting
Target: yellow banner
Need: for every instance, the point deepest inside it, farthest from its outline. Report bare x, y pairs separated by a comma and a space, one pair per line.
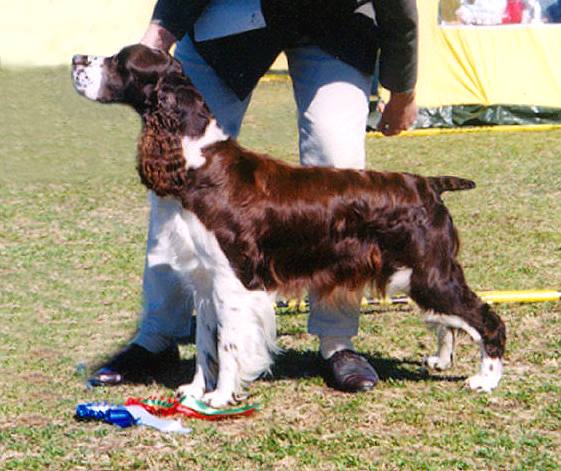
488, 65
458, 65
40, 32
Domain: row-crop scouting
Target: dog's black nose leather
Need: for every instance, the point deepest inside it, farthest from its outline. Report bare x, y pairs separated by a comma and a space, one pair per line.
79, 59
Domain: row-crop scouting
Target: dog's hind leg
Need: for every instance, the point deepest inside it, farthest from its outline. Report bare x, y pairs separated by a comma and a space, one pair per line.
400, 281
444, 356
449, 302
492, 345
206, 359
245, 341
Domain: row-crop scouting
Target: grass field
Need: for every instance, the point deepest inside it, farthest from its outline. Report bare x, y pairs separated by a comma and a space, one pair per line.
72, 232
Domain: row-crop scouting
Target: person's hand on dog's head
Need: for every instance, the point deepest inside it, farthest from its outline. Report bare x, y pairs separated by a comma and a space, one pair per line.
158, 37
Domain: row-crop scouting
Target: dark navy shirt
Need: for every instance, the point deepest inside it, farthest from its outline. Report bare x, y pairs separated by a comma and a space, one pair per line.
351, 30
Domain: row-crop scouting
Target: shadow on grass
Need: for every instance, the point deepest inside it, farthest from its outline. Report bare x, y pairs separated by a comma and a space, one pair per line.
180, 374
295, 364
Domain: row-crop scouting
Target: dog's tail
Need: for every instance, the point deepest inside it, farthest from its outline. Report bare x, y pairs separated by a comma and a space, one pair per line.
447, 183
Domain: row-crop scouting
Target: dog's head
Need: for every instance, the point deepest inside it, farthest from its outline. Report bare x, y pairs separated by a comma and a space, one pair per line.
173, 112
128, 77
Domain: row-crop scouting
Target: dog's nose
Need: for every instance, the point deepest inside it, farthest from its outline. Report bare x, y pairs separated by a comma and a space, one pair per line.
79, 59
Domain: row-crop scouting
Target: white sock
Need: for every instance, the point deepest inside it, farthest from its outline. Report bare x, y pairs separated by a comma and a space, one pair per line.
328, 345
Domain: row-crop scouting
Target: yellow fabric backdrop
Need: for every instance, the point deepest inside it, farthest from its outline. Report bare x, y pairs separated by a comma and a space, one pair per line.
50, 32
509, 64
517, 65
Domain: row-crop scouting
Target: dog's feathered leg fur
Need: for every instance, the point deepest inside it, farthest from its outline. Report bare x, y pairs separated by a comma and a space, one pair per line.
450, 303
246, 339
206, 358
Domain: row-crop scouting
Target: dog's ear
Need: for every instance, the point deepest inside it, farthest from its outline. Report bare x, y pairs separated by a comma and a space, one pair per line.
140, 68
180, 106
149, 64
161, 163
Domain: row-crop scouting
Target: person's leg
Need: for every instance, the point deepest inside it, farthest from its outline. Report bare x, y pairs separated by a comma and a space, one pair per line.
332, 99
168, 303
227, 108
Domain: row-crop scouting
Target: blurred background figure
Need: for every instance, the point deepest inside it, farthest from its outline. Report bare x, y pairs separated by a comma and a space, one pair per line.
481, 12
552, 10
496, 12
514, 12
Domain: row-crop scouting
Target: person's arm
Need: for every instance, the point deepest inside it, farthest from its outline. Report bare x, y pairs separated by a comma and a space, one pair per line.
397, 20
171, 19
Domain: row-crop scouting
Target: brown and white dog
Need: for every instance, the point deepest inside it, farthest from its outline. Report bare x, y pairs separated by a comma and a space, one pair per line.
248, 227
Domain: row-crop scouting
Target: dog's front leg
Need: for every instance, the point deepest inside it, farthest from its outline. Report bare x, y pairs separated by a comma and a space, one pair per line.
228, 344
206, 367
245, 340
228, 378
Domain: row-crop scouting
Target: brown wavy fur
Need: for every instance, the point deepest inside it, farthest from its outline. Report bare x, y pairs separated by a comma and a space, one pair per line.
161, 164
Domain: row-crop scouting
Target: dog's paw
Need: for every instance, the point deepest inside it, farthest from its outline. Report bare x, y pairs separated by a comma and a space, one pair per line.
434, 362
219, 399
482, 382
192, 389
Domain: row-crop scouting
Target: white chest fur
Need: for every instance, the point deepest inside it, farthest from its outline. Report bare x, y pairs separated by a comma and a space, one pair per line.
192, 148
235, 326
179, 238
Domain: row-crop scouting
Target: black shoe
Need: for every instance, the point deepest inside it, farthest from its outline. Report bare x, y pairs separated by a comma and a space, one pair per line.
351, 372
134, 364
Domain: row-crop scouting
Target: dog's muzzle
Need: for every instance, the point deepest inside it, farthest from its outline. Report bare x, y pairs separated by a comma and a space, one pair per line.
87, 75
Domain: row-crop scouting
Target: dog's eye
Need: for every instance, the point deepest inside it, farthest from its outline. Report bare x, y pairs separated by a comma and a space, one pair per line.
117, 64
120, 67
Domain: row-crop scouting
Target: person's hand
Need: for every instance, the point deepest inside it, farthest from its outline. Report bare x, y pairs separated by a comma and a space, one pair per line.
158, 37
399, 114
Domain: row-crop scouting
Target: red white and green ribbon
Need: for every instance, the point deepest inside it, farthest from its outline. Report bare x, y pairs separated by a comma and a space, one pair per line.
190, 407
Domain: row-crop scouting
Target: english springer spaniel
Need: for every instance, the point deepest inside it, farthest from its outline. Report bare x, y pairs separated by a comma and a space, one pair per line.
250, 227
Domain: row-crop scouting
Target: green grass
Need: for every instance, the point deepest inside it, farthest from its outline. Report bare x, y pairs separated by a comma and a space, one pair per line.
72, 231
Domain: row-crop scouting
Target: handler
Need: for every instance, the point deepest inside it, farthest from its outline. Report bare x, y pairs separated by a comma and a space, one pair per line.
225, 47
